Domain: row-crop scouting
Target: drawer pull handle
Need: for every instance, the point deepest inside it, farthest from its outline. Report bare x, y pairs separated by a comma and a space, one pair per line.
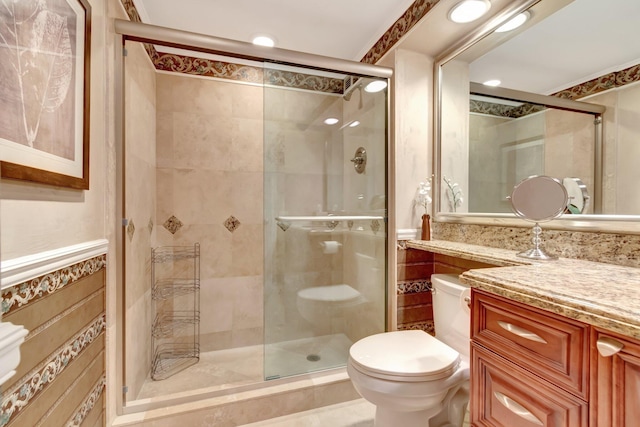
516, 408
608, 346
521, 332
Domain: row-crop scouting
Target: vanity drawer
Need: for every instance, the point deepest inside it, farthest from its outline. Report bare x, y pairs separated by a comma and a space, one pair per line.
551, 346
515, 397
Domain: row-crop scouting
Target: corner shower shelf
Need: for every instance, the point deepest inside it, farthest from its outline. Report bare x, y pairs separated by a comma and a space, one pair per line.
169, 359
175, 293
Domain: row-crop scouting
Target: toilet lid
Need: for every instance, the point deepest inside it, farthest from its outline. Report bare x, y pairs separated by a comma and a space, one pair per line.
406, 355
329, 293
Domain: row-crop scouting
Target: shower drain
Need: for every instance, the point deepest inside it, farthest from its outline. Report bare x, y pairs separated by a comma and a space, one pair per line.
313, 358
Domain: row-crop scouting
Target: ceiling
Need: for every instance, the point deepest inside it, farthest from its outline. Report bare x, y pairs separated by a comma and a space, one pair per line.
582, 40
344, 29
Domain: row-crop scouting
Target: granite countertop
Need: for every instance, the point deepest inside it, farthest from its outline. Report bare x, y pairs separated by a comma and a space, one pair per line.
603, 295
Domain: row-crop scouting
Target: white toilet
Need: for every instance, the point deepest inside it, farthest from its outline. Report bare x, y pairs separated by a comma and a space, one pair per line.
414, 379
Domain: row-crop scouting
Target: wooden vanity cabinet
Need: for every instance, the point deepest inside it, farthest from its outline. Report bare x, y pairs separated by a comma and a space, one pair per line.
529, 367
615, 378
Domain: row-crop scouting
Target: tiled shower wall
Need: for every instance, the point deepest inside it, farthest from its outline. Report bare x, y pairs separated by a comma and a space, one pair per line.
209, 190
140, 173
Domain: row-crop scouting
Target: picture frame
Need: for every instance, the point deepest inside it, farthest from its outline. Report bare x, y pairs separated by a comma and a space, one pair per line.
45, 48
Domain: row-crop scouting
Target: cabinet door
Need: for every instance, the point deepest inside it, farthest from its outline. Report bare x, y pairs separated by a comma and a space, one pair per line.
615, 390
504, 395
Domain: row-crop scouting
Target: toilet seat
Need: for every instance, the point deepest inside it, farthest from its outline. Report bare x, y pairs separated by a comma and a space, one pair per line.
408, 356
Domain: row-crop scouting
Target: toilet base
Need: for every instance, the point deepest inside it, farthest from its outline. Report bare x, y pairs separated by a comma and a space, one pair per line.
386, 417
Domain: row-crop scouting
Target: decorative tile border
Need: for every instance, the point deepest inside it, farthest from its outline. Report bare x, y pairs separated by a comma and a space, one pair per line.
24, 391
428, 327
501, 110
399, 29
602, 83
207, 68
21, 294
303, 81
413, 286
88, 404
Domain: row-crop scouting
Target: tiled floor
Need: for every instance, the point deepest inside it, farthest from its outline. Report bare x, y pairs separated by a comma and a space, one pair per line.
356, 413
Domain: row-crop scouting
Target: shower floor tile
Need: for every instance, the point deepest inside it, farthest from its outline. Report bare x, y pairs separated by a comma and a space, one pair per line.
244, 365
306, 355
235, 366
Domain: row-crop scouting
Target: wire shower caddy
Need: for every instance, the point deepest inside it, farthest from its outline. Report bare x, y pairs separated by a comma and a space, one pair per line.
175, 293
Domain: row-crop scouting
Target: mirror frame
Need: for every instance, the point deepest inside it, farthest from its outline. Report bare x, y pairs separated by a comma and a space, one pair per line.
627, 224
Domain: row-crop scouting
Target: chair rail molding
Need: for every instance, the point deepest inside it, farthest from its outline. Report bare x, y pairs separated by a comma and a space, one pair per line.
19, 270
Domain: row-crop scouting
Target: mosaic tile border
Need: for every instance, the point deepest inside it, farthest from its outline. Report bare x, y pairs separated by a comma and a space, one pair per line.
501, 110
24, 391
88, 404
22, 294
428, 327
600, 84
413, 286
399, 29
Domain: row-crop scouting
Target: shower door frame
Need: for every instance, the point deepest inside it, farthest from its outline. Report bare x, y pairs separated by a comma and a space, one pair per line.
145, 33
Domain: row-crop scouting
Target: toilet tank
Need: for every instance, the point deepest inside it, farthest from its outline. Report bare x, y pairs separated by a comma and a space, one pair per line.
451, 314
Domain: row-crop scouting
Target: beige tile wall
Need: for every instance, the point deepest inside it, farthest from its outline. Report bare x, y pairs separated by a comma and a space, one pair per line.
140, 175
209, 167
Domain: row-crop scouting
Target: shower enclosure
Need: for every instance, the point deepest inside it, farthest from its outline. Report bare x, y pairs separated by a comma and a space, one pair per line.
279, 173
325, 222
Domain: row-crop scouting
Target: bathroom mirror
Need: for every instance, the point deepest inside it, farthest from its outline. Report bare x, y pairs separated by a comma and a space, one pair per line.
488, 139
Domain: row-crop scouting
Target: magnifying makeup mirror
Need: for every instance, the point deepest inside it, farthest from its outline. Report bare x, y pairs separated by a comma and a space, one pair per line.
538, 199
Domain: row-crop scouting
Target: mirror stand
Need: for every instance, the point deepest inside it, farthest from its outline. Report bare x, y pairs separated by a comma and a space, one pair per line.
536, 252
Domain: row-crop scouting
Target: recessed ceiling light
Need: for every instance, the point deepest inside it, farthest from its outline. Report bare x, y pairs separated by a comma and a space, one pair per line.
354, 124
513, 23
263, 41
375, 86
331, 121
469, 10
492, 83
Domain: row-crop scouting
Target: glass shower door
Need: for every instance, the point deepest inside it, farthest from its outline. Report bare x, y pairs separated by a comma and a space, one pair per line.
325, 157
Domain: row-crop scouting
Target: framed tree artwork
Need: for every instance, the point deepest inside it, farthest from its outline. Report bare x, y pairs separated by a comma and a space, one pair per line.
44, 91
